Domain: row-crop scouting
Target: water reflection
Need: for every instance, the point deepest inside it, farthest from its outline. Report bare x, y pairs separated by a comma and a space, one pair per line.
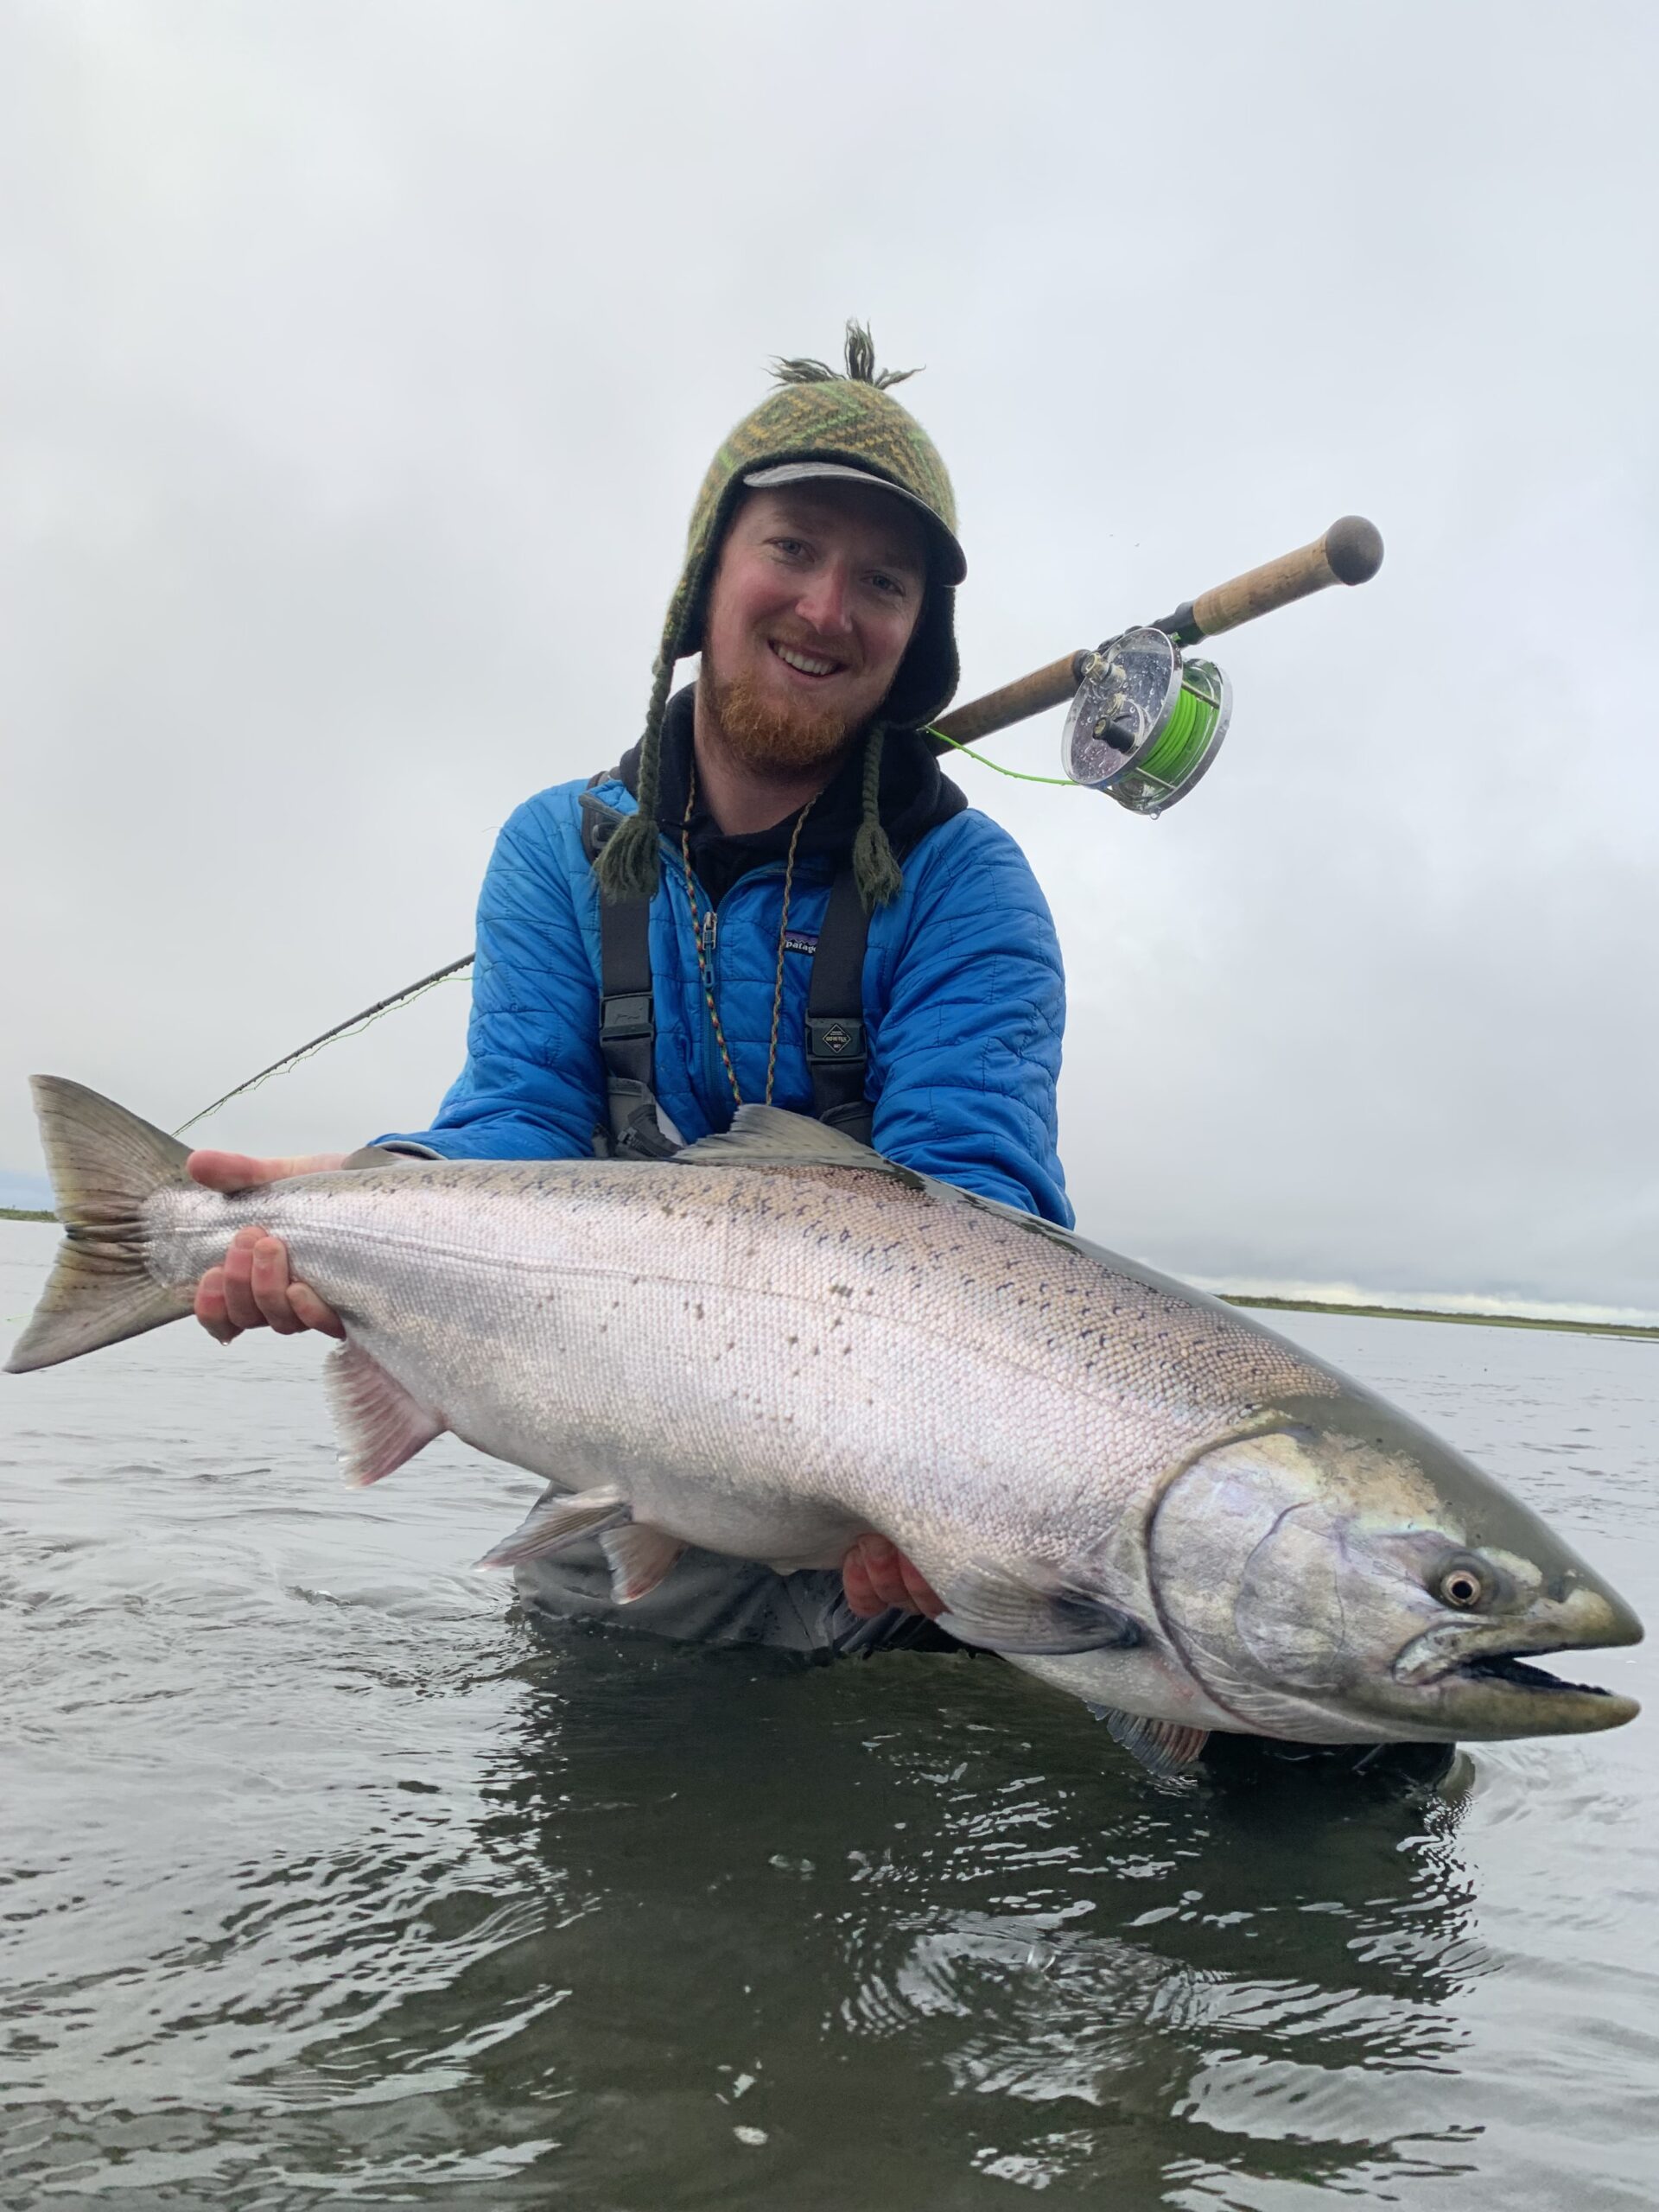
713, 1929
324, 1883
911, 1922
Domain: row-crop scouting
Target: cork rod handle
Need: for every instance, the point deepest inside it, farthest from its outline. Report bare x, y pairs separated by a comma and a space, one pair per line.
1350, 552
1027, 695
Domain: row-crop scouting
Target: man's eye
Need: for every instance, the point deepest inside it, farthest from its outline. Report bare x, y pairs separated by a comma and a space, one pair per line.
890, 585
789, 545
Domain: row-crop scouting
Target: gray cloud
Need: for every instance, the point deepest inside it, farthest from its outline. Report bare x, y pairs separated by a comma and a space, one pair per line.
357, 367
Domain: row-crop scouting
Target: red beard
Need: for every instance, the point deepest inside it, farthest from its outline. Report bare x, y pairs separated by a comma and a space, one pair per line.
763, 737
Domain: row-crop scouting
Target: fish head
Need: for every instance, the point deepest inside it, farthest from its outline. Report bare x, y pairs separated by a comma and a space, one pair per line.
1345, 1577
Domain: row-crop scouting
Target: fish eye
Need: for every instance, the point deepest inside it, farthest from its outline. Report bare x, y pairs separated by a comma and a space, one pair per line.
1463, 1586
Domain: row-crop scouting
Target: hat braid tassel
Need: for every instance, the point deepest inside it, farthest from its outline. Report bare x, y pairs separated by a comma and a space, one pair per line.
876, 871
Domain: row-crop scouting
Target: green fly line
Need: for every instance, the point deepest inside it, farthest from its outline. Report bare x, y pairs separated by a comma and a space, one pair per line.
1019, 775
1177, 750
1183, 741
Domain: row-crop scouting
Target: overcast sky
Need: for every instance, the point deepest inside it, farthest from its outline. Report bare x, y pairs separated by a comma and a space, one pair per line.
359, 361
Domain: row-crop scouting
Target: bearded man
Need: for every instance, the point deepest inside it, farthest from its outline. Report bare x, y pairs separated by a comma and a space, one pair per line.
774, 897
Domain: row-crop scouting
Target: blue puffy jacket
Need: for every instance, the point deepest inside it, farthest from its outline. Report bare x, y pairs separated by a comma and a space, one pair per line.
963, 1004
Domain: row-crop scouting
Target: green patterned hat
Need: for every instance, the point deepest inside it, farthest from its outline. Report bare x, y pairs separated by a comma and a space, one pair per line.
818, 422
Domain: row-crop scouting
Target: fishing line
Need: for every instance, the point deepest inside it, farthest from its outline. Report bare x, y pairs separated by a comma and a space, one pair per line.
1019, 775
1184, 739
351, 1026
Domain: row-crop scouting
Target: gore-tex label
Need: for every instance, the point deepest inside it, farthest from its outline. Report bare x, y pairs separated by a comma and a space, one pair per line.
800, 941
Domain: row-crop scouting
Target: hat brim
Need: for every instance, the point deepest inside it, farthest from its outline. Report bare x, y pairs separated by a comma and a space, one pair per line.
954, 564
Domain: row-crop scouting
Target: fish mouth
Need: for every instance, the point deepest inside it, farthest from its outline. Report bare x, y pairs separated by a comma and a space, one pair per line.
1496, 1693
1512, 1666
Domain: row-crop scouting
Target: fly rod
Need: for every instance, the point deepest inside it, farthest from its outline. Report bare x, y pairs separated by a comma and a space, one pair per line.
1145, 719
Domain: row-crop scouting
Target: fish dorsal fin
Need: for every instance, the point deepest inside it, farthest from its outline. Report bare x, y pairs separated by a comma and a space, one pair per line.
760, 1134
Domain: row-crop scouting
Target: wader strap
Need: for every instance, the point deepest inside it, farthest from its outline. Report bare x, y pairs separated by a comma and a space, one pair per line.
627, 1017
627, 1013
837, 1055
628, 1031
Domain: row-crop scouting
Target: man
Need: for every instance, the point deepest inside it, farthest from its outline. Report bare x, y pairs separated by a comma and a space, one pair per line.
775, 897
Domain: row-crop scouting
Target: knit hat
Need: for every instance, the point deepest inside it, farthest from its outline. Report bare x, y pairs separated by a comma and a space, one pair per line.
846, 422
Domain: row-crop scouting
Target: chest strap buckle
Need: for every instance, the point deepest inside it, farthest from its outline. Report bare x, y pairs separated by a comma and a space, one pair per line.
833, 1039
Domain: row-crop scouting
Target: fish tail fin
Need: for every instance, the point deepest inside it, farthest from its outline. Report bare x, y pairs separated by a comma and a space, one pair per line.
105, 1163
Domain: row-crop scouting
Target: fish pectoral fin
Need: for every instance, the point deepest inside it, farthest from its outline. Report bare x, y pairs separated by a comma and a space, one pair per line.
560, 1518
1166, 1747
380, 1425
639, 1557
991, 1606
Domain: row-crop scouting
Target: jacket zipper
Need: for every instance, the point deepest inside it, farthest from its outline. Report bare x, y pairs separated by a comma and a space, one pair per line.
714, 1068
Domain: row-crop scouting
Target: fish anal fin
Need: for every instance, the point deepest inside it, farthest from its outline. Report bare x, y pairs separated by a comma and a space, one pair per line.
380, 1425
639, 1557
1007, 1612
1163, 1747
559, 1519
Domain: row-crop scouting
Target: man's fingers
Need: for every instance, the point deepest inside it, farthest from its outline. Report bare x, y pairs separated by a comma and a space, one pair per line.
251, 1289
855, 1583
268, 1279
240, 1305
919, 1594
876, 1576
883, 1567
312, 1312
210, 1307
239, 1171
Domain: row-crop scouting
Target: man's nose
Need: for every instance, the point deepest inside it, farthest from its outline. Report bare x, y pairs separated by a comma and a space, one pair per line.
826, 599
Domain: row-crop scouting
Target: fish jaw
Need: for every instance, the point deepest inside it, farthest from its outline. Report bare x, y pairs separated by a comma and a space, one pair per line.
1371, 1586
1479, 1680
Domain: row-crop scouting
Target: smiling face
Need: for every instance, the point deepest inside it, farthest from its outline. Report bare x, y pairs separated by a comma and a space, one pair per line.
817, 595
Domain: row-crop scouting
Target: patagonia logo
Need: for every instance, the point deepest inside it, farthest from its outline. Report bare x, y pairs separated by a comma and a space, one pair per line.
800, 941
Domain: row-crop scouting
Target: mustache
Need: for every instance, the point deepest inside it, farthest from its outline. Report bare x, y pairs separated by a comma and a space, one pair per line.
818, 649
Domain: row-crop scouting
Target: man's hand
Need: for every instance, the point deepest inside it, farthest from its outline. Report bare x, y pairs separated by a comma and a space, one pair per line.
252, 1288
877, 1575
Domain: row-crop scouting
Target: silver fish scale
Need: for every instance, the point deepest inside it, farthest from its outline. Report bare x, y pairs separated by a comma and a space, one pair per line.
767, 1358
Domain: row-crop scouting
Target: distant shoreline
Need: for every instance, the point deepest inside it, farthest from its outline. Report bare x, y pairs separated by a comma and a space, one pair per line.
1431, 1313
1309, 1306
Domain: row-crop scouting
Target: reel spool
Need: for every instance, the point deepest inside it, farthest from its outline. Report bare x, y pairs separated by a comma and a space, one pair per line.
1145, 722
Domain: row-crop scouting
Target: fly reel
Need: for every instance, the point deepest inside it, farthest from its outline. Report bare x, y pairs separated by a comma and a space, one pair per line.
1146, 722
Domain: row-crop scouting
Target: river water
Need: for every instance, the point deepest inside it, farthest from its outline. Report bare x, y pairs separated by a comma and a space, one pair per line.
326, 1882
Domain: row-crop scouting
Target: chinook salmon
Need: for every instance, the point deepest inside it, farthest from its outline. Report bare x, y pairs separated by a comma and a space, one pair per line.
777, 1340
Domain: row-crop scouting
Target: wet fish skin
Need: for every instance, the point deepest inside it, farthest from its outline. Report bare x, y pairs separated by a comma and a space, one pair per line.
776, 1341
